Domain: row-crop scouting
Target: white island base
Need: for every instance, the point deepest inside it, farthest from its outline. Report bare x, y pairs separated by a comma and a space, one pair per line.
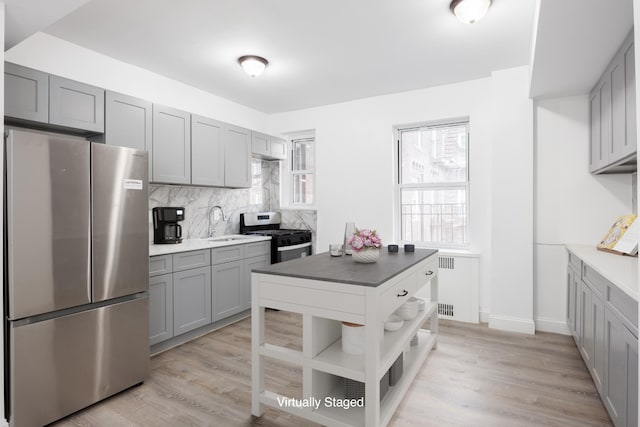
324, 303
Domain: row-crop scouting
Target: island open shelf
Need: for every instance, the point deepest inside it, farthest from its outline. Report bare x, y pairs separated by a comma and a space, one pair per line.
328, 291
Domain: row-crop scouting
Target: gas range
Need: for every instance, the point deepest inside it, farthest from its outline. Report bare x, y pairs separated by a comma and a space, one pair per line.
286, 244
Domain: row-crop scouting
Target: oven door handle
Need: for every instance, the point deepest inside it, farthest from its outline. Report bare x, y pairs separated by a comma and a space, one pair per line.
294, 247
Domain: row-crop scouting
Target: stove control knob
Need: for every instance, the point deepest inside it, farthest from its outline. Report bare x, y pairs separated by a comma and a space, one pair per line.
288, 241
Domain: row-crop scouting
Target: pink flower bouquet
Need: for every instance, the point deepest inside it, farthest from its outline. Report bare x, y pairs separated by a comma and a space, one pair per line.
365, 239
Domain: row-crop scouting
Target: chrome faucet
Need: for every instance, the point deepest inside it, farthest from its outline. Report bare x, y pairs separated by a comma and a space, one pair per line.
224, 218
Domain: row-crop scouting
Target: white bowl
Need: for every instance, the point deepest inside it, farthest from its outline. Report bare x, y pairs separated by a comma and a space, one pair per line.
393, 323
408, 310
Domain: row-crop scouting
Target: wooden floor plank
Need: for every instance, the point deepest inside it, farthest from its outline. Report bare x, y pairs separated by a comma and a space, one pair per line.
476, 377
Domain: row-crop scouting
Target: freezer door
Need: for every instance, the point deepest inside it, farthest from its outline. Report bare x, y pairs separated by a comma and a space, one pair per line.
120, 221
64, 364
48, 226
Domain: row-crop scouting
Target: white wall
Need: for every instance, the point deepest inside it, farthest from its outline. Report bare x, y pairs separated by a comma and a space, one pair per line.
512, 202
572, 206
354, 149
56, 56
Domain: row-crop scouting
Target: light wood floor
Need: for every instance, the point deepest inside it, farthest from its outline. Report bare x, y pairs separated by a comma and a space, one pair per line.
476, 377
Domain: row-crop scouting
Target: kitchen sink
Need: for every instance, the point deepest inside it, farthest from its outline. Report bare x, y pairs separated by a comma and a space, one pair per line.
229, 238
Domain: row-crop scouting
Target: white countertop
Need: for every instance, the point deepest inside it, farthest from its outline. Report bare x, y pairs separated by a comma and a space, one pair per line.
198, 244
620, 270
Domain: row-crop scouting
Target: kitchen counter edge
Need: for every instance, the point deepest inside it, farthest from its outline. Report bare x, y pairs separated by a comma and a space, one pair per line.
199, 244
620, 270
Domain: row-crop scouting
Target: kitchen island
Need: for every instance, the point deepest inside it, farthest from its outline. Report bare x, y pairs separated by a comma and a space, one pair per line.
327, 291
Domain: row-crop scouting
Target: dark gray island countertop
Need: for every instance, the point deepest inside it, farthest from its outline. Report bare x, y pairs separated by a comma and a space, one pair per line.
344, 270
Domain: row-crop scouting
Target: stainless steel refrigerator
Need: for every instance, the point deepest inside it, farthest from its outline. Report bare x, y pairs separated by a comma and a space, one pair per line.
76, 274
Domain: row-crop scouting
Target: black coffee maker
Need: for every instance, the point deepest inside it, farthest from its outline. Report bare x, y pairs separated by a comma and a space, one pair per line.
165, 225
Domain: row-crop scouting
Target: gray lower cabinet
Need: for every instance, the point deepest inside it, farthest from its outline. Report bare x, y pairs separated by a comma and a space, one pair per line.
26, 93
171, 145
606, 338
191, 299
237, 157
76, 105
160, 308
250, 264
207, 151
228, 289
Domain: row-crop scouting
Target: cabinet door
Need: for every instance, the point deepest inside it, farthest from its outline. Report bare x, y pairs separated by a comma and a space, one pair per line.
605, 121
631, 352
237, 157
615, 375
207, 152
128, 123
76, 105
228, 289
598, 322
191, 299
278, 148
260, 144
631, 144
586, 325
571, 301
618, 115
160, 308
171, 145
251, 263
595, 157
26, 93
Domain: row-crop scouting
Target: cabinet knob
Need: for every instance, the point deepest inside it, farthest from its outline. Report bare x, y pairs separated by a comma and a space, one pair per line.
403, 293
428, 273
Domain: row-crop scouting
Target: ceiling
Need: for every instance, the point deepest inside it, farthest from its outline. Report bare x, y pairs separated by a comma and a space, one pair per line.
320, 52
574, 42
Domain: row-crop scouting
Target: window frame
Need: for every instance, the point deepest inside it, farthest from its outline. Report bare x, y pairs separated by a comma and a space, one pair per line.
311, 140
398, 186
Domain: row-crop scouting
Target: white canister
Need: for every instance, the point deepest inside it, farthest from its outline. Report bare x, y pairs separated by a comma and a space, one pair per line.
352, 338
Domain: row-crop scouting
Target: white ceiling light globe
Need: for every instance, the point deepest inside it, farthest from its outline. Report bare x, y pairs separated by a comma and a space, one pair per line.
253, 65
470, 11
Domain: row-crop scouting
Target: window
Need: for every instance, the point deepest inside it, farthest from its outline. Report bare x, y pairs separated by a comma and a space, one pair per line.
302, 171
433, 184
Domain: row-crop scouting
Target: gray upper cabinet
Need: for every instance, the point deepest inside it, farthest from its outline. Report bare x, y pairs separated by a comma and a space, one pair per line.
260, 144
613, 142
171, 145
76, 105
207, 152
278, 148
26, 93
237, 157
128, 123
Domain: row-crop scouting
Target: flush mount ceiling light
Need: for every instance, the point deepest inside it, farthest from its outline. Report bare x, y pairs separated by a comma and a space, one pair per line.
470, 11
252, 64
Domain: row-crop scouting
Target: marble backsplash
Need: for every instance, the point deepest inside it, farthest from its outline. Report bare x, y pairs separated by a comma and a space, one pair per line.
198, 201
301, 219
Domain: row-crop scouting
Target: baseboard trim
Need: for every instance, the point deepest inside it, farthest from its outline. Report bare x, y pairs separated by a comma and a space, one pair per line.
484, 316
553, 326
512, 324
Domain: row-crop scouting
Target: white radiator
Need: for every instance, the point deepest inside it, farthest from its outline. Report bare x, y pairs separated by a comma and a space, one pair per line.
458, 287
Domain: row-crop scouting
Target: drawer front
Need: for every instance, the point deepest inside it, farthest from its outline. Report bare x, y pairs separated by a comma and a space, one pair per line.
594, 280
257, 249
625, 305
399, 293
575, 262
427, 271
162, 264
227, 254
193, 259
